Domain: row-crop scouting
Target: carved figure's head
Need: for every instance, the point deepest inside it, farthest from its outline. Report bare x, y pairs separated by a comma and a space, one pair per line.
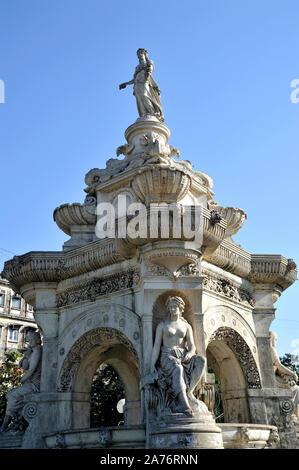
273, 338
34, 339
175, 305
142, 54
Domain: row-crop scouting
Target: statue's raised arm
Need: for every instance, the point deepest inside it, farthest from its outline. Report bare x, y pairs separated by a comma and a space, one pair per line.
146, 90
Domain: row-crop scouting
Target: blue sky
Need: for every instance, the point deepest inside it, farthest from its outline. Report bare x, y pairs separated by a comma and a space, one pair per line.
224, 68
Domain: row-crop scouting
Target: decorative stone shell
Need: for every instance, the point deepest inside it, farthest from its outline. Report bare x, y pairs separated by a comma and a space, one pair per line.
235, 218
161, 185
68, 215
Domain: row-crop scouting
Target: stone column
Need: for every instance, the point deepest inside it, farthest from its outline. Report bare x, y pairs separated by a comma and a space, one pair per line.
144, 307
263, 315
195, 296
43, 405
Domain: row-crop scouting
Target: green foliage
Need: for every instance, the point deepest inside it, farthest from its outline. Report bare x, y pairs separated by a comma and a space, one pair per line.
218, 407
288, 361
106, 391
10, 375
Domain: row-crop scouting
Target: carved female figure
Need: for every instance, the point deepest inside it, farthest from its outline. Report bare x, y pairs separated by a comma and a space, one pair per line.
146, 90
289, 376
174, 345
30, 382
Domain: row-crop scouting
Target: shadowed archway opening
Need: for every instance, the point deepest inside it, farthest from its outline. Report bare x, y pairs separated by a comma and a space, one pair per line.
106, 392
93, 349
233, 364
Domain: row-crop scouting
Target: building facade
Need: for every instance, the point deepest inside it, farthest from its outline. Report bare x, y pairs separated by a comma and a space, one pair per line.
16, 319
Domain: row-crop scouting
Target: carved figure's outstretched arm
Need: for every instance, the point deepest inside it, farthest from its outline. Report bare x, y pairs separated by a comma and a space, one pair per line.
123, 85
157, 346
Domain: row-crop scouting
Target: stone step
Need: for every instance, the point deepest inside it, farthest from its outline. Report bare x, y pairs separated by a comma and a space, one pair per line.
10, 441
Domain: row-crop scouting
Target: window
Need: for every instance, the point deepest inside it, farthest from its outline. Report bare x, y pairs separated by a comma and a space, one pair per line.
16, 302
2, 299
13, 333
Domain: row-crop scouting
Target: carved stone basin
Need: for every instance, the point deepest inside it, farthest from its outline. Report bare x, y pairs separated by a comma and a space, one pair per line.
154, 185
118, 437
248, 436
235, 218
68, 215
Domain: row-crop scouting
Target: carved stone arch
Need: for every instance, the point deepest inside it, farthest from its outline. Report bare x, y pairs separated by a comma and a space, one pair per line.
102, 315
230, 317
84, 358
99, 337
242, 352
232, 360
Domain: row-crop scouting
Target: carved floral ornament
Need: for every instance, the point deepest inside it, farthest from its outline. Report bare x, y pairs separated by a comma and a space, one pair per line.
90, 340
226, 288
190, 269
241, 350
99, 287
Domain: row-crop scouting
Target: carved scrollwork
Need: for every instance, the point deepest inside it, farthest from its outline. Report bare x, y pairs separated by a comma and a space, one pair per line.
237, 344
30, 410
287, 406
190, 269
224, 287
99, 287
60, 441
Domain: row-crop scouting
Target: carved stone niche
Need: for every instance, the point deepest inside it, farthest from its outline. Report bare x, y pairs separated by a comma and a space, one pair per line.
160, 311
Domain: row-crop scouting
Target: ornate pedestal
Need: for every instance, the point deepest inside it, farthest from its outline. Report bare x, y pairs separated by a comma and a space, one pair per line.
179, 432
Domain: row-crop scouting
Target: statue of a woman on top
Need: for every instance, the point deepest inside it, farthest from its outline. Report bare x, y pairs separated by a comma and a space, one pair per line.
146, 90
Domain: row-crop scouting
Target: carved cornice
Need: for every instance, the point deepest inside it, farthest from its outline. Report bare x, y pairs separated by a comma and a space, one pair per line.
224, 253
272, 269
258, 269
231, 257
98, 287
53, 266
